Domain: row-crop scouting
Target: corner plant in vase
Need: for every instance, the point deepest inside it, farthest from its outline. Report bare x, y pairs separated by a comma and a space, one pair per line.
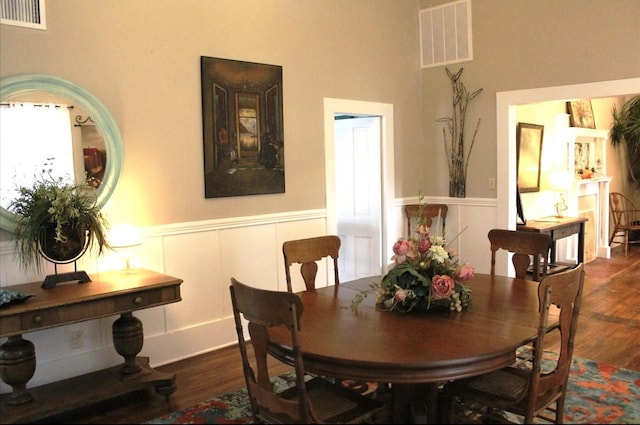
625, 131
425, 275
57, 220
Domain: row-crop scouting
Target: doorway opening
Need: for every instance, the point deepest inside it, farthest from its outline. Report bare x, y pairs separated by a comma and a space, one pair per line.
360, 256
506, 103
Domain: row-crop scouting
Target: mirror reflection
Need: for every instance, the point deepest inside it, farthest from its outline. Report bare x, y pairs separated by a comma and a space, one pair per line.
51, 128
47, 141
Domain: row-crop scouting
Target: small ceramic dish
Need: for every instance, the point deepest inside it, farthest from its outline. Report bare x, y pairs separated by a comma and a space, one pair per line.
12, 297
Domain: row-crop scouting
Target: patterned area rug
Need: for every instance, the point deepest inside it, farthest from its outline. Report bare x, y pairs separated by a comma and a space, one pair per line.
598, 393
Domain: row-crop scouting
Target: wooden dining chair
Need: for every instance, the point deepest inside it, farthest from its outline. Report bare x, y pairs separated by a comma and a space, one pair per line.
524, 246
626, 220
428, 213
308, 252
311, 399
536, 391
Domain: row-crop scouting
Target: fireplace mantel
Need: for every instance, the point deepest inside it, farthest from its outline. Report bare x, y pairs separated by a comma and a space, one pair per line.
590, 198
589, 194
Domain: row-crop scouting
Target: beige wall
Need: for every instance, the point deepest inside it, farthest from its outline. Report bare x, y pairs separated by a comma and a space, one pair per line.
141, 58
526, 45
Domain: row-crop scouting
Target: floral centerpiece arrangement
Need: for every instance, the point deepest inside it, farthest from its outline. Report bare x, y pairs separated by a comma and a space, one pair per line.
425, 275
57, 219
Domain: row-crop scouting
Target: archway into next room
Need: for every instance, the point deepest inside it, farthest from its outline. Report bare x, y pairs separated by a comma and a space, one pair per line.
506, 103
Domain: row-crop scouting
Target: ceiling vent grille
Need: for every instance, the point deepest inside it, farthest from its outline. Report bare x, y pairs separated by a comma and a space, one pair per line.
445, 34
23, 13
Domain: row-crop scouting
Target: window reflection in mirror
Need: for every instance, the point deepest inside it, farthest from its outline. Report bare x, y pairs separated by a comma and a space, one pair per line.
42, 141
94, 151
100, 132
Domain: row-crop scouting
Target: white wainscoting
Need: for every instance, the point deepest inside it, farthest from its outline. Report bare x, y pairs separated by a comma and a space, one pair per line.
205, 255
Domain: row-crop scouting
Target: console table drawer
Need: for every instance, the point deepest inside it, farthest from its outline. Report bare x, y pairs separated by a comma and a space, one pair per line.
40, 319
145, 299
93, 309
564, 232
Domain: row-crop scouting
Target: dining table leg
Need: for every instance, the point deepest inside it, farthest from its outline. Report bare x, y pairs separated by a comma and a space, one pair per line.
407, 400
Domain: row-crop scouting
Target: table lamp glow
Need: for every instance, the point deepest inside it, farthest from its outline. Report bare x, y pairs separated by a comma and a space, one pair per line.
122, 238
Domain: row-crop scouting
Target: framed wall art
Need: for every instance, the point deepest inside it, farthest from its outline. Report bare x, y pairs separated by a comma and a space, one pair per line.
581, 113
242, 128
529, 156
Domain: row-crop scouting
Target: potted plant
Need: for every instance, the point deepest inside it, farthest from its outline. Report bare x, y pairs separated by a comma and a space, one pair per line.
626, 128
57, 220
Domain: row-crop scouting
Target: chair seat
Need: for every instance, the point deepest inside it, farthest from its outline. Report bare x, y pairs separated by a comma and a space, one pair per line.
508, 384
505, 388
335, 404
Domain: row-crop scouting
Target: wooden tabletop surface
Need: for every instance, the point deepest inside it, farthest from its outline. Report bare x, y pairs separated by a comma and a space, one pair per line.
418, 347
543, 224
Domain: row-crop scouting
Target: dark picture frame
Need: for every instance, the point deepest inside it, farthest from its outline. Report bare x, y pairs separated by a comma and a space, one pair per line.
581, 113
529, 156
242, 128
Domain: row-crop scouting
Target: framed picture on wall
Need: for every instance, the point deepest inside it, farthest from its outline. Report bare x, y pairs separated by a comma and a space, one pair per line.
242, 128
529, 156
581, 113
519, 211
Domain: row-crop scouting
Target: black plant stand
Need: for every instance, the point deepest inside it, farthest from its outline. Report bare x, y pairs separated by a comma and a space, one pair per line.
58, 256
50, 281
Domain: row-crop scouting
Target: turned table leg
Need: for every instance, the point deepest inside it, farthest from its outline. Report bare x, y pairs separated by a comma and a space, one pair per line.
128, 339
17, 366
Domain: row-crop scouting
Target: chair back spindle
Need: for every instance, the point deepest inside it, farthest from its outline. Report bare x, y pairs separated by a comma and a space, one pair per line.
524, 245
308, 252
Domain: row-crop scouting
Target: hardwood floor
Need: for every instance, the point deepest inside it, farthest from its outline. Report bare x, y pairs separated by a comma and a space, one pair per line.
608, 331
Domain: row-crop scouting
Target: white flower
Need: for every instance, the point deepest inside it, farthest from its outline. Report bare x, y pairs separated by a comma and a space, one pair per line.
439, 253
438, 240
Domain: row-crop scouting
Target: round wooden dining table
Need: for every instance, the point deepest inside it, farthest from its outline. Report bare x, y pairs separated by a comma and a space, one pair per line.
409, 350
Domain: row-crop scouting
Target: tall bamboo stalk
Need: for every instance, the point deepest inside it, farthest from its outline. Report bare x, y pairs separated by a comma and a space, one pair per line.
457, 158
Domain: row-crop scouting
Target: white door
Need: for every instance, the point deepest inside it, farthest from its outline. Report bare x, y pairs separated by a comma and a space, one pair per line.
358, 195
365, 231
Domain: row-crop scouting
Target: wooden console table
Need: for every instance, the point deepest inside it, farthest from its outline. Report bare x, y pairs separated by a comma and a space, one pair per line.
558, 228
109, 293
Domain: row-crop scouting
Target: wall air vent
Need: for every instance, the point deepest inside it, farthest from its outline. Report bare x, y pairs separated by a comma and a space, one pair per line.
23, 13
445, 34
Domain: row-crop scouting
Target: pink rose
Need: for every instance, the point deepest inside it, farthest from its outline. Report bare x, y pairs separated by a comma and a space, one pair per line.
442, 286
424, 245
403, 249
465, 272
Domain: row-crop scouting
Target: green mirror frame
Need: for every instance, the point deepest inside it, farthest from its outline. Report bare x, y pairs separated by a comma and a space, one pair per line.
28, 83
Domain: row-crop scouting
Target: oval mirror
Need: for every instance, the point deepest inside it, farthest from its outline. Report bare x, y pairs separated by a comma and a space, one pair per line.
42, 88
